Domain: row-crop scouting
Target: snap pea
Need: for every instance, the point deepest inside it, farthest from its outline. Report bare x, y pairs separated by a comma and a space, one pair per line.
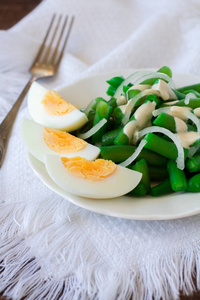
141, 166
177, 177
103, 110
161, 146
162, 188
193, 163
194, 184
119, 153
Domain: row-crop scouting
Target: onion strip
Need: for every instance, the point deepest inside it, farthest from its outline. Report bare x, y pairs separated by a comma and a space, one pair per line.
180, 159
131, 158
93, 130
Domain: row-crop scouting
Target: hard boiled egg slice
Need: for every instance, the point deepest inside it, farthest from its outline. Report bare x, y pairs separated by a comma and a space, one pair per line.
41, 140
49, 109
92, 179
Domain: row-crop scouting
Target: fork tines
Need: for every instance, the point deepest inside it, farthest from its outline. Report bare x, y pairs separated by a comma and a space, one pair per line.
55, 40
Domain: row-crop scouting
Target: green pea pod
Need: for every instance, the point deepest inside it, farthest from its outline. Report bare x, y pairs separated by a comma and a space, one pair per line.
194, 184
141, 166
177, 177
162, 188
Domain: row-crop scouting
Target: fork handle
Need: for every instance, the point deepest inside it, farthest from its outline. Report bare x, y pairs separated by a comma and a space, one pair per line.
7, 124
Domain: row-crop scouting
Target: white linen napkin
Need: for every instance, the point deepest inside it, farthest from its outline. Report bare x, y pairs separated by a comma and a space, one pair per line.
50, 247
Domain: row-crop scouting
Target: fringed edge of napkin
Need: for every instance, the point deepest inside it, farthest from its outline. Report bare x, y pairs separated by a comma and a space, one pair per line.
24, 272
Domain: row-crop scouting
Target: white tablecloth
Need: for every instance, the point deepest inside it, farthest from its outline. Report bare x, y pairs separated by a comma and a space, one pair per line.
49, 246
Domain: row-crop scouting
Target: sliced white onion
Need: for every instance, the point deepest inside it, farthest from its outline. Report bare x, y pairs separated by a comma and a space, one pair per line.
188, 97
93, 130
156, 75
193, 150
180, 159
131, 158
131, 103
130, 79
194, 119
89, 107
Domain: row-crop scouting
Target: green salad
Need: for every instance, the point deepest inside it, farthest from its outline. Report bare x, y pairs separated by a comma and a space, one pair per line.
150, 126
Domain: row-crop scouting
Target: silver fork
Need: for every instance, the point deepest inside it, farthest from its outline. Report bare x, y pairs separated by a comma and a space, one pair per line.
45, 64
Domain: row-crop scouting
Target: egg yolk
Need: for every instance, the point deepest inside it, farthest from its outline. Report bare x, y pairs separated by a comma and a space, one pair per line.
62, 142
55, 105
90, 170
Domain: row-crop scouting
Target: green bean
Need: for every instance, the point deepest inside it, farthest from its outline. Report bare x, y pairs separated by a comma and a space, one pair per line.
111, 91
178, 94
162, 188
121, 138
140, 190
132, 93
127, 87
115, 81
193, 103
193, 163
197, 94
195, 87
154, 98
112, 102
166, 121
177, 177
141, 166
103, 110
161, 146
118, 115
194, 184
109, 137
158, 173
165, 70
119, 153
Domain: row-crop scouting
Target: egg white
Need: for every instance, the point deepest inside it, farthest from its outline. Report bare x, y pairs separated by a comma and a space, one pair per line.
69, 122
119, 183
32, 135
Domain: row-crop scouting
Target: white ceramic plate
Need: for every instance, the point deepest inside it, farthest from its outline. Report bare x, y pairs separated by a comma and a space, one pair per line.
174, 206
